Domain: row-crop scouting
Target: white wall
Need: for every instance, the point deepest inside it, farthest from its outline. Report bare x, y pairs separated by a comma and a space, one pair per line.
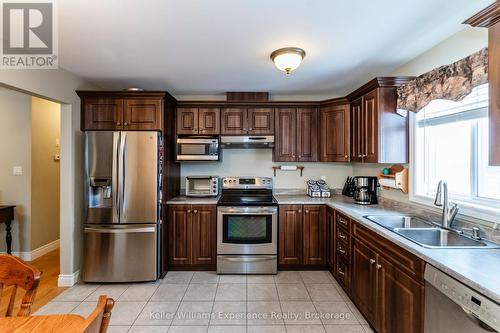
60, 85
258, 162
458, 46
15, 148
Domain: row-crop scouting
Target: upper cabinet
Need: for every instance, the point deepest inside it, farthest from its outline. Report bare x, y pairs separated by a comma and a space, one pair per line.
296, 135
334, 133
251, 121
378, 133
204, 121
116, 111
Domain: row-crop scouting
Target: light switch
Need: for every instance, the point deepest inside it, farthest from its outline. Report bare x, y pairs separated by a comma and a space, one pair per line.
17, 170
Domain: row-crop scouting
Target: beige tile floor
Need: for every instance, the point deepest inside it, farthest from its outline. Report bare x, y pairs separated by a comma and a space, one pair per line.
292, 302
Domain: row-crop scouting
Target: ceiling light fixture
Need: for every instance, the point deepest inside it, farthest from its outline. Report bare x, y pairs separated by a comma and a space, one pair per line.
288, 59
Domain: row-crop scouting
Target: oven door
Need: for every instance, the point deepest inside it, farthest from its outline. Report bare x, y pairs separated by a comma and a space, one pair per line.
193, 149
247, 230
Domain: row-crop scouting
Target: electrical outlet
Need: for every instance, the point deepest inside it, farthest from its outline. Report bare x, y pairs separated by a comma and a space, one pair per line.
17, 170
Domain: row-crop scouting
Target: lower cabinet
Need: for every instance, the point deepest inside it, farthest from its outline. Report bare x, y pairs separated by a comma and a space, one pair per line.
302, 236
192, 237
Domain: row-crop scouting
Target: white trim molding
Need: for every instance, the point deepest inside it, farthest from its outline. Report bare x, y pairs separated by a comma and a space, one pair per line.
68, 280
36, 253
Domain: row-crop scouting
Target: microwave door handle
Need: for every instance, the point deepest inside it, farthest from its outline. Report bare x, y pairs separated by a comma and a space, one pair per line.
256, 138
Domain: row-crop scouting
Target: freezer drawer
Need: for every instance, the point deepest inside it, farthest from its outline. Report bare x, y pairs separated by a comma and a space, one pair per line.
125, 253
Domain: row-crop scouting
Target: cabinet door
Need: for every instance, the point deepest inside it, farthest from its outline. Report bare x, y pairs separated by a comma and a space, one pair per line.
370, 127
203, 235
290, 235
285, 137
187, 121
234, 121
335, 134
314, 235
307, 135
401, 300
209, 121
261, 121
364, 284
179, 224
142, 114
330, 220
102, 114
356, 134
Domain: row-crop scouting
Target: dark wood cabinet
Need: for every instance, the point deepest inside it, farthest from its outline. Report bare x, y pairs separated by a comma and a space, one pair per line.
364, 282
290, 234
102, 114
251, 121
296, 135
330, 229
378, 133
335, 133
302, 235
193, 121
142, 114
121, 111
192, 239
314, 235
260, 121
398, 291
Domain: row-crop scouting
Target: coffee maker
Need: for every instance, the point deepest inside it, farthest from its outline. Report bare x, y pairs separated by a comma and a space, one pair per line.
365, 190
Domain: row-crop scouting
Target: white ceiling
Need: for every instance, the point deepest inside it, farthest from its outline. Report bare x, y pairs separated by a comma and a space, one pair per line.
213, 46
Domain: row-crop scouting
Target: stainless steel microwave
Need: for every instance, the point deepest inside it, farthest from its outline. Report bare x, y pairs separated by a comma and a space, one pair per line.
198, 149
202, 186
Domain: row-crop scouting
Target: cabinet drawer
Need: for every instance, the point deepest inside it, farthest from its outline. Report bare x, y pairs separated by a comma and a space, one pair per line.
342, 272
342, 235
342, 250
343, 221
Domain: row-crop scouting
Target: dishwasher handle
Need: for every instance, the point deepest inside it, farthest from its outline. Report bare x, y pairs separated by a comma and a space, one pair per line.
470, 315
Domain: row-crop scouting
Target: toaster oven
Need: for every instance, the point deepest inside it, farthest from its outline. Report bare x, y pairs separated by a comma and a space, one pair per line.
202, 186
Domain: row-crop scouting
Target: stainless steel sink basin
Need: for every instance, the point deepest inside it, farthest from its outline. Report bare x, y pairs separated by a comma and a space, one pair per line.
399, 221
427, 234
439, 238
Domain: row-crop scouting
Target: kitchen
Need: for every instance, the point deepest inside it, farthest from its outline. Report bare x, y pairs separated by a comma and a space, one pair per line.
254, 199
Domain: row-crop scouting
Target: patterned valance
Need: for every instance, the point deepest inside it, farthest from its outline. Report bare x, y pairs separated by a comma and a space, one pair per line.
452, 82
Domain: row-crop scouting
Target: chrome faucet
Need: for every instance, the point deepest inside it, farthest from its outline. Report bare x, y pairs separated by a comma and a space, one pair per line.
450, 210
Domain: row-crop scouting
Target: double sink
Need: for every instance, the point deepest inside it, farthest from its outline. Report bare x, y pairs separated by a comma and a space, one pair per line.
427, 234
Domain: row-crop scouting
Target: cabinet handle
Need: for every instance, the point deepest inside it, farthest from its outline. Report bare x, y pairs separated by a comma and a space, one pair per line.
293, 156
250, 129
118, 124
300, 156
342, 221
341, 273
359, 156
300, 210
307, 211
189, 211
341, 251
195, 211
378, 266
372, 261
346, 156
342, 236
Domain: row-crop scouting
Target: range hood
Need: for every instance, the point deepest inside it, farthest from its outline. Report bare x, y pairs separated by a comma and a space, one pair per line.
254, 141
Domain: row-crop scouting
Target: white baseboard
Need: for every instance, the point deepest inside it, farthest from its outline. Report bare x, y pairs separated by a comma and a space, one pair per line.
44, 249
68, 280
36, 253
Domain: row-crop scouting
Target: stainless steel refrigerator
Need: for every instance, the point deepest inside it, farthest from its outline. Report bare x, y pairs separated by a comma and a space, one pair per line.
123, 186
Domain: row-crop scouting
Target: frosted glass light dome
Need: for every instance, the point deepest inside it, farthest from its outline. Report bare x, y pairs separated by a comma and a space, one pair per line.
288, 59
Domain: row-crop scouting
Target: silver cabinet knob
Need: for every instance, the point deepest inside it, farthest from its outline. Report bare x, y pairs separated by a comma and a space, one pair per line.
195, 211
378, 266
307, 211
125, 124
189, 210
118, 124
300, 210
372, 261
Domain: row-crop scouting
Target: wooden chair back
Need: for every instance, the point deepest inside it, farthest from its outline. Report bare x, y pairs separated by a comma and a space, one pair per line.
16, 273
98, 320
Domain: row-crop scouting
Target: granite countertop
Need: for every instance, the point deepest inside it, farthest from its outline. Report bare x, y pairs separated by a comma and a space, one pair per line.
477, 268
183, 200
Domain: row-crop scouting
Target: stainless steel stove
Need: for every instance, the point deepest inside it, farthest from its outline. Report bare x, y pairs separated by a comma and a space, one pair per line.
247, 227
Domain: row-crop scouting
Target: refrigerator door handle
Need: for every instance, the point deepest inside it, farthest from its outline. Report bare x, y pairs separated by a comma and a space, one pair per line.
115, 180
120, 231
122, 175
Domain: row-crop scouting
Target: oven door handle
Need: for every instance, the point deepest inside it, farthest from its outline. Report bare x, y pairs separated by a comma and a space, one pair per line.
250, 259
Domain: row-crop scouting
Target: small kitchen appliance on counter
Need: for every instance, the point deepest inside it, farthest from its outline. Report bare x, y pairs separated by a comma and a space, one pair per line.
318, 189
202, 186
365, 190
247, 227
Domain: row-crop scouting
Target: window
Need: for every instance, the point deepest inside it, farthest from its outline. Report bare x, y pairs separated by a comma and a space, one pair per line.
451, 144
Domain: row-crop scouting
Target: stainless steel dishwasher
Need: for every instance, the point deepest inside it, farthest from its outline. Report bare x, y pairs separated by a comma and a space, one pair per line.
452, 307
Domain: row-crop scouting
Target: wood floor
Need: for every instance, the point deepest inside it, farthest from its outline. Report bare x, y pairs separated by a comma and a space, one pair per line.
49, 266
